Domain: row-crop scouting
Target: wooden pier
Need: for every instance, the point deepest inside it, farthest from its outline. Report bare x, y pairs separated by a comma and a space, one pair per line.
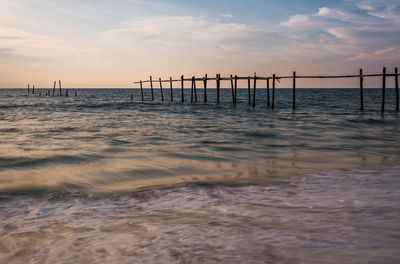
233, 79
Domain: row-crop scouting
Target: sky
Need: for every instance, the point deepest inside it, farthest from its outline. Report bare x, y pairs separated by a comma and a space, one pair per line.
111, 43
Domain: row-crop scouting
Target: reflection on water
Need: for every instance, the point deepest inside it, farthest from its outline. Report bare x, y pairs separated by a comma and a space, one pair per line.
100, 178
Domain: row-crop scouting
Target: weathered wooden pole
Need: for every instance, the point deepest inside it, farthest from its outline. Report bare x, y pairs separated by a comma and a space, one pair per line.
236, 79
33, 89
59, 84
254, 91
141, 90
383, 89
273, 91
361, 91
161, 90
195, 90
248, 89
233, 90
54, 87
151, 87
182, 92
192, 90
76, 93
172, 92
397, 88
218, 86
294, 92
268, 97
205, 89
28, 88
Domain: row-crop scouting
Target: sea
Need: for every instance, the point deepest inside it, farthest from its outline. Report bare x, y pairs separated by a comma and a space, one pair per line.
101, 177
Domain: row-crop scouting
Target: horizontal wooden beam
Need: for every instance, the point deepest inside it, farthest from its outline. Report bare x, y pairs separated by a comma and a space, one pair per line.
277, 77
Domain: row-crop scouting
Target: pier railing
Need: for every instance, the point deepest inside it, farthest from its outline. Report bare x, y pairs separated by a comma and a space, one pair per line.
274, 78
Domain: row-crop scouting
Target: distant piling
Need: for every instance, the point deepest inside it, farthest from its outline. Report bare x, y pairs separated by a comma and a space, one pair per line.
141, 90
294, 92
236, 84
28, 88
383, 89
273, 91
59, 83
233, 90
54, 87
171, 89
151, 87
182, 90
254, 91
161, 90
361, 91
218, 86
205, 88
268, 97
33, 89
192, 90
248, 90
397, 88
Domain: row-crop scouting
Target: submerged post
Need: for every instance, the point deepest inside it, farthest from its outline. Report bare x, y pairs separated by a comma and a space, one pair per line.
195, 90
28, 88
161, 90
268, 99
59, 83
218, 86
248, 89
205, 89
182, 92
54, 87
172, 92
273, 91
396, 73
254, 91
383, 89
141, 90
233, 91
33, 89
294, 92
151, 87
236, 79
361, 90
192, 90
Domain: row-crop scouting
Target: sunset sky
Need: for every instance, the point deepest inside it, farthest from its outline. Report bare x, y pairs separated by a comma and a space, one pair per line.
104, 43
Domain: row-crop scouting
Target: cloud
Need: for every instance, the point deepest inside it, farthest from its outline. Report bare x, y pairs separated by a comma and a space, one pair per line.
352, 35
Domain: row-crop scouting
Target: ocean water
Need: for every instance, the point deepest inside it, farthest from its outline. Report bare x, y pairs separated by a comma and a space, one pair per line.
99, 178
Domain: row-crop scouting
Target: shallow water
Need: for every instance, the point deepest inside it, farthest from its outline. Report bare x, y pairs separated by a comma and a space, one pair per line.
100, 178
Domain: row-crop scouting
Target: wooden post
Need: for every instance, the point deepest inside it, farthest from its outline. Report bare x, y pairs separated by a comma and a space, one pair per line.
248, 89
233, 91
254, 91
183, 94
33, 89
195, 90
151, 87
361, 91
397, 88
205, 89
28, 88
383, 89
76, 93
161, 90
273, 91
294, 92
192, 90
141, 90
54, 87
172, 92
268, 97
236, 79
59, 84
218, 86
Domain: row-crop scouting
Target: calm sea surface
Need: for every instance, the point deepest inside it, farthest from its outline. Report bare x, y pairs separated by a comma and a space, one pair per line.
99, 178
